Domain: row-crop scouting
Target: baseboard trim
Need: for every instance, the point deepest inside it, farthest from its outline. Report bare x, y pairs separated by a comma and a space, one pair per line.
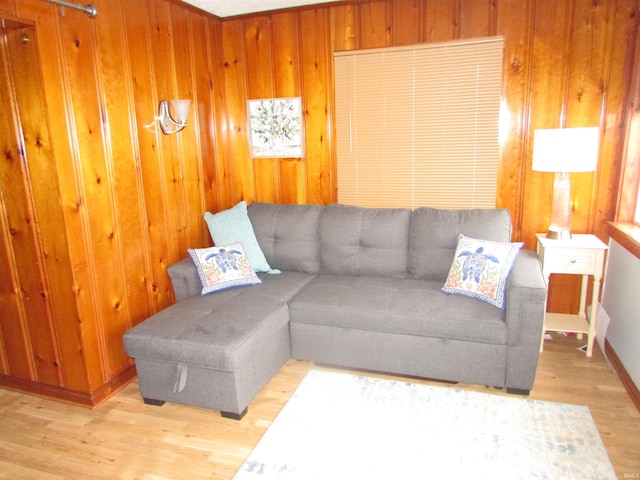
626, 380
91, 399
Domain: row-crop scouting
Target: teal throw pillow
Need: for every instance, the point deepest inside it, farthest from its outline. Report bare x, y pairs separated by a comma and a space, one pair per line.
234, 226
480, 269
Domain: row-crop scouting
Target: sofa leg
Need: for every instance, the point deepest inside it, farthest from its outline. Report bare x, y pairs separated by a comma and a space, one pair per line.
517, 391
234, 416
152, 401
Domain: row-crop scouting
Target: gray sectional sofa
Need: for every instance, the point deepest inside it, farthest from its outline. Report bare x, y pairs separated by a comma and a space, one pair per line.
360, 288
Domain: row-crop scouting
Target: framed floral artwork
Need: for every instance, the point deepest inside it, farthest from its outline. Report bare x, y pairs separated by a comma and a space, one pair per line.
275, 127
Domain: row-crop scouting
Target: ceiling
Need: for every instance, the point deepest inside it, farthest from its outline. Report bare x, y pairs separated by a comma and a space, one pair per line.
229, 8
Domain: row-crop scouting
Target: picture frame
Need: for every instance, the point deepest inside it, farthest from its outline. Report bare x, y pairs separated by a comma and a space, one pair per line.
276, 127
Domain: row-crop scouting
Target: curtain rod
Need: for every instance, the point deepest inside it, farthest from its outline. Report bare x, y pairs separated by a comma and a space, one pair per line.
89, 9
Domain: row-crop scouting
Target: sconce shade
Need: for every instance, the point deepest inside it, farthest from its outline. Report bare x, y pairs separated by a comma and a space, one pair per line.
565, 149
181, 109
168, 123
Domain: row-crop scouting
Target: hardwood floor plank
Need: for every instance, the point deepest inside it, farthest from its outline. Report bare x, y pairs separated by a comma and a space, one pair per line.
41, 439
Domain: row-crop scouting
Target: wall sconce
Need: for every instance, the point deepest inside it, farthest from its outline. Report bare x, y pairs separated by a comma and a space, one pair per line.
564, 150
168, 123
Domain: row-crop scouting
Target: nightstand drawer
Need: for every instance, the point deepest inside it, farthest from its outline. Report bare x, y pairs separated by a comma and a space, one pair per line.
561, 260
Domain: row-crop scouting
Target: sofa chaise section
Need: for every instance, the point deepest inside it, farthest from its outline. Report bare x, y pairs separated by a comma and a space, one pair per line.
216, 351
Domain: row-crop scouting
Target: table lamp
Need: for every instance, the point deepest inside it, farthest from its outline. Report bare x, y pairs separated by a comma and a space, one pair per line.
561, 151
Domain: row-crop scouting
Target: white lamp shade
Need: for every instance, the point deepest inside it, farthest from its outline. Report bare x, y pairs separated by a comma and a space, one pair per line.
566, 149
181, 110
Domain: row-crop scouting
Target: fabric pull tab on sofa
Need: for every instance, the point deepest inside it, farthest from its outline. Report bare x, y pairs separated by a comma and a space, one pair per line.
181, 378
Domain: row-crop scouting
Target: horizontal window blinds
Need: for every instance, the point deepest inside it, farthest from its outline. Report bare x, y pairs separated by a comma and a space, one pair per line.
418, 126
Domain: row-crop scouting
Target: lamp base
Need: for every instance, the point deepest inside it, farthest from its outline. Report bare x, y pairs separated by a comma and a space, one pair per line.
560, 225
559, 234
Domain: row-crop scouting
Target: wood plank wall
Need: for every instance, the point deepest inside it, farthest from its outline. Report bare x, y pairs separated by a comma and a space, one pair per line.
96, 202
564, 66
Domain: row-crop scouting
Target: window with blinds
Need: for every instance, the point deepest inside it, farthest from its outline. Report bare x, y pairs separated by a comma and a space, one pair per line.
418, 126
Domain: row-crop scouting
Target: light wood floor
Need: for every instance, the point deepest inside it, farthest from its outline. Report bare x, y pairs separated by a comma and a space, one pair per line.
125, 439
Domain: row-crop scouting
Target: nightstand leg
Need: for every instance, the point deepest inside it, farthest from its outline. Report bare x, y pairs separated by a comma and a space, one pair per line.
582, 309
546, 280
583, 296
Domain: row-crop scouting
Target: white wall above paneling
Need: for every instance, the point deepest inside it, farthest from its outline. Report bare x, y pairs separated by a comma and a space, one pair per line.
227, 8
621, 301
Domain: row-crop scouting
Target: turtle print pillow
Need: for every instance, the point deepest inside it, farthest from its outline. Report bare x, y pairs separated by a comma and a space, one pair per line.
220, 268
480, 269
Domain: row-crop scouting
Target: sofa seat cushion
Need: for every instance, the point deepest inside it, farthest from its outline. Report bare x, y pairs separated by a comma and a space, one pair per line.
401, 306
211, 330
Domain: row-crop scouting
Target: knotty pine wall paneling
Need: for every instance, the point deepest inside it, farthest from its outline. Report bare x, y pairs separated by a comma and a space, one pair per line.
405, 22
261, 84
285, 38
32, 249
112, 200
131, 199
129, 299
629, 175
515, 18
375, 31
563, 66
317, 81
239, 166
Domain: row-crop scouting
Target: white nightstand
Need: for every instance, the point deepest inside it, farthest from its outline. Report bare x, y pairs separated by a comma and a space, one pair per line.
581, 255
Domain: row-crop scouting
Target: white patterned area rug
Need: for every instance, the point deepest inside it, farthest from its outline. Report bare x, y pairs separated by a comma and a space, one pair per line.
342, 426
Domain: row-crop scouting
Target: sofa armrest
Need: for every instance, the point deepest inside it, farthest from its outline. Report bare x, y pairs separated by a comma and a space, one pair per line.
525, 307
184, 279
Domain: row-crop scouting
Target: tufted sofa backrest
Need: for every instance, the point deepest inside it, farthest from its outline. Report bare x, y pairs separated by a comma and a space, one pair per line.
433, 236
288, 235
348, 240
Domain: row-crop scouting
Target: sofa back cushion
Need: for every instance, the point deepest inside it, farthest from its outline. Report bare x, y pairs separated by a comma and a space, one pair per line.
288, 235
364, 241
433, 236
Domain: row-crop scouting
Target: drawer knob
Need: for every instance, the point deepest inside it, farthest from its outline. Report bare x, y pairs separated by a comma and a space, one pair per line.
573, 260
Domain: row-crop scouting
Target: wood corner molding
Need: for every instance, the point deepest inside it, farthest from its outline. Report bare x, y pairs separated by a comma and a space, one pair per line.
626, 380
91, 399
